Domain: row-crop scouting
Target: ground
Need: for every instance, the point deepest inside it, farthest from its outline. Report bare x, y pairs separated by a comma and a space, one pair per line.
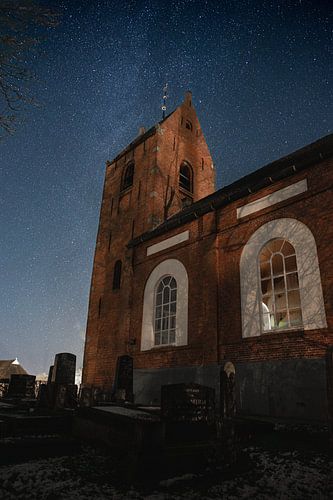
264, 472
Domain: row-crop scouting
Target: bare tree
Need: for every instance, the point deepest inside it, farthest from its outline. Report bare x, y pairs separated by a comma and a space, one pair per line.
19, 21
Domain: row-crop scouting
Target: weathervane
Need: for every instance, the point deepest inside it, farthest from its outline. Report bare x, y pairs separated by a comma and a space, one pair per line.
165, 96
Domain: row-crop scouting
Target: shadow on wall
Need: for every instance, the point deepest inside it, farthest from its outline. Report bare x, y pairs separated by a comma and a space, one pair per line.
287, 389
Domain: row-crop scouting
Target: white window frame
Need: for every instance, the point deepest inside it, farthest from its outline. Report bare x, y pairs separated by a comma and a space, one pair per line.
312, 302
175, 268
264, 311
161, 331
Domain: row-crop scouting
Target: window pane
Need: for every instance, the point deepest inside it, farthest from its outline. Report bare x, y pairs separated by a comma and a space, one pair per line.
165, 323
292, 281
173, 283
279, 285
160, 288
275, 245
165, 310
266, 286
295, 317
280, 302
165, 339
290, 264
166, 280
277, 264
265, 254
281, 319
157, 338
158, 299
287, 248
172, 336
173, 295
166, 294
158, 312
173, 322
294, 300
157, 325
173, 306
265, 269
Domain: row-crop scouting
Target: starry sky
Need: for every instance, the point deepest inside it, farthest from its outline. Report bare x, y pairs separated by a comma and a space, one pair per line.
261, 77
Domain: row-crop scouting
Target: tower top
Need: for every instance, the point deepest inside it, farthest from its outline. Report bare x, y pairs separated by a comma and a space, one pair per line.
165, 96
188, 98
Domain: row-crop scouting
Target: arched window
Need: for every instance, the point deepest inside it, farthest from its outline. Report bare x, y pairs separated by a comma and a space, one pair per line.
165, 305
286, 292
280, 295
188, 125
186, 177
116, 275
128, 176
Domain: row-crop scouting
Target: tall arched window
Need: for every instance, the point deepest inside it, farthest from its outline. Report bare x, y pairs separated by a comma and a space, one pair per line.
186, 177
280, 295
128, 176
165, 305
116, 275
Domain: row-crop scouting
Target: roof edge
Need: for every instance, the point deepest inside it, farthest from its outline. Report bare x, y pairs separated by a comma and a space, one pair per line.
284, 167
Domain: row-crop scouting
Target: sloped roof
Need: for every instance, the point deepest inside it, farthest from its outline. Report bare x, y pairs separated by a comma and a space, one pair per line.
284, 167
10, 367
141, 138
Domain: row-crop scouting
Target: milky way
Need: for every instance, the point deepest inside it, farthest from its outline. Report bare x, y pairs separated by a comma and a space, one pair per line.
259, 73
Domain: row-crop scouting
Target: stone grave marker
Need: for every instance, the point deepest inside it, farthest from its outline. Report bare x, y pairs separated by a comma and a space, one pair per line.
63, 371
123, 386
22, 386
188, 410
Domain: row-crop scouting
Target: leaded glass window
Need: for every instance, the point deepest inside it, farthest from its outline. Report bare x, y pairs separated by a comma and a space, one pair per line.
165, 309
280, 296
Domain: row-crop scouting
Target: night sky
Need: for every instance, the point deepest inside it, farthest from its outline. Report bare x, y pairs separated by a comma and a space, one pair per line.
261, 80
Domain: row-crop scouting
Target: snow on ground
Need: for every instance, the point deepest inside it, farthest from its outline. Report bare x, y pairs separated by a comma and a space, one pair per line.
271, 475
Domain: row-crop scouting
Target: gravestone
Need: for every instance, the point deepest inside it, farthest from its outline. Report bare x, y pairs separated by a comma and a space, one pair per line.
49, 378
189, 411
227, 391
63, 371
42, 397
61, 391
22, 386
123, 385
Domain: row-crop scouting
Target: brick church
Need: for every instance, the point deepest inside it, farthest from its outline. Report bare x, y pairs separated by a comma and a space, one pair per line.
192, 282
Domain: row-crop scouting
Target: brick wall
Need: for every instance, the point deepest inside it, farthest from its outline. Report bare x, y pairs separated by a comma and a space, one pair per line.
128, 213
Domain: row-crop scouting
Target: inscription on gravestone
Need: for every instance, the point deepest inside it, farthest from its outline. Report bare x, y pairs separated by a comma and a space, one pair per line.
188, 403
123, 386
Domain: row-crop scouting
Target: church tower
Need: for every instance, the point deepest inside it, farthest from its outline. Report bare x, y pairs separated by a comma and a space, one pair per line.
158, 174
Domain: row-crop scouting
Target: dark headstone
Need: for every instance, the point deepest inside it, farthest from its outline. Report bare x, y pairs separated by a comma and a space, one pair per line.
64, 369
64, 396
188, 411
227, 391
123, 386
42, 397
22, 386
188, 403
49, 378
